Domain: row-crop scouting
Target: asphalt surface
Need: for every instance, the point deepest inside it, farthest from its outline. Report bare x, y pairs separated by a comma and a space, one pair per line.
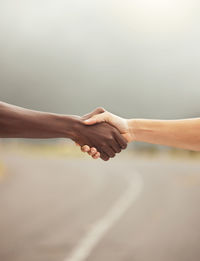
57, 209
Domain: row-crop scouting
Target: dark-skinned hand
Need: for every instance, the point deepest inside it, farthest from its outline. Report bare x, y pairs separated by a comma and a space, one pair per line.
105, 138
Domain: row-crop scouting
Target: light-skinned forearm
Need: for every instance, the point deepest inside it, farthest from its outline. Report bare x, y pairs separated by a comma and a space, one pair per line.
17, 122
176, 133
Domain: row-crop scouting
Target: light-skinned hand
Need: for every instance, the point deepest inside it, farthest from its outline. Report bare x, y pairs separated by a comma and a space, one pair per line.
101, 115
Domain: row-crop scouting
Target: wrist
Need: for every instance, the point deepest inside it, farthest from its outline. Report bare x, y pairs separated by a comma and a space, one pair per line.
72, 124
66, 126
132, 129
144, 130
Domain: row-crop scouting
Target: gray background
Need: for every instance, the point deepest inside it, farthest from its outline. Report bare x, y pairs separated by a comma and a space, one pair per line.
136, 58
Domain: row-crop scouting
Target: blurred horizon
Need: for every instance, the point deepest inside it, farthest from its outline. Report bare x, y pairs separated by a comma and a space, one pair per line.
135, 58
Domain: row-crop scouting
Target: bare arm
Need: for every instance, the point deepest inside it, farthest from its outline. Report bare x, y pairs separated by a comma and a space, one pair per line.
183, 134
17, 122
176, 133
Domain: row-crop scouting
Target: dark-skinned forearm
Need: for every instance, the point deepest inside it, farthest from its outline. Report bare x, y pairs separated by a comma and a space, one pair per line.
17, 122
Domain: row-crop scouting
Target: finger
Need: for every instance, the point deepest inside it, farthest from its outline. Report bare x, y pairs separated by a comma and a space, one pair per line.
85, 148
115, 146
104, 156
92, 151
121, 140
96, 119
109, 151
91, 114
96, 156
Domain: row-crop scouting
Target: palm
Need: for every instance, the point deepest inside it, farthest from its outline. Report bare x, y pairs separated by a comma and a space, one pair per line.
120, 124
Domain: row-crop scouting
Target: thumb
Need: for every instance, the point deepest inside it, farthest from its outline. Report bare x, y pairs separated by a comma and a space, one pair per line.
93, 113
95, 119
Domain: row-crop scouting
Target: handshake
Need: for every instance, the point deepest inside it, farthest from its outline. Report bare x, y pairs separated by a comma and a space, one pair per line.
103, 134
99, 133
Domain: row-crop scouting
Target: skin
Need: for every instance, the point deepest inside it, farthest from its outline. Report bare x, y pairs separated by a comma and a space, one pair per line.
183, 133
17, 122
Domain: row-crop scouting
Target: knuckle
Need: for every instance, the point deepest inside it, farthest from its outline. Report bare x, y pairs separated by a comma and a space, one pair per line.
124, 146
100, 110
110, 139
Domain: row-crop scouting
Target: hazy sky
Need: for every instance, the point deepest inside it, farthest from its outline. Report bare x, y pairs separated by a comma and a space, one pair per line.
138, 58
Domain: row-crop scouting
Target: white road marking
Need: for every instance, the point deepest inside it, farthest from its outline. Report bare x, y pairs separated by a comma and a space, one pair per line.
102, 226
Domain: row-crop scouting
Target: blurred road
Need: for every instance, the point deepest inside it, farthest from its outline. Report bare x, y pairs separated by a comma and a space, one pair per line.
129, 209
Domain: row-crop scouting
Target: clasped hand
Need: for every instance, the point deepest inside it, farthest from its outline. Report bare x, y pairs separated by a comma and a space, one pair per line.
114, 132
